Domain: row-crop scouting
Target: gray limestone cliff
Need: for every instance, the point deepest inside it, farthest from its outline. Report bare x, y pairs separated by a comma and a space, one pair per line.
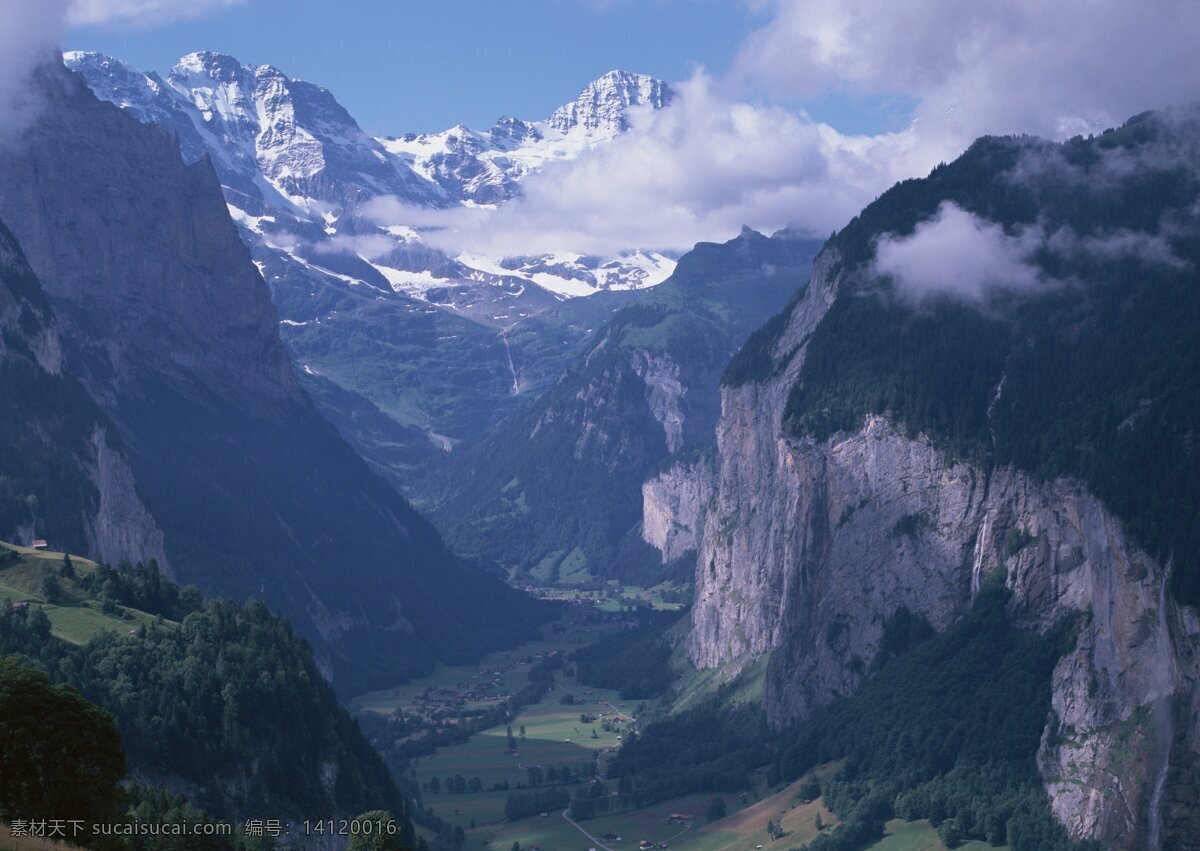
673, 507
808, 546
664, 394
122, 527
57, 447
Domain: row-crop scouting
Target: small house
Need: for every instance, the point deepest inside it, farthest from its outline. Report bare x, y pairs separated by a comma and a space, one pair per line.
38, 544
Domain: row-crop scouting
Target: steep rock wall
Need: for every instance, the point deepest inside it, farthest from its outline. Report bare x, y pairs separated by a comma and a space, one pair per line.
809, 546
664, 394
68, 460
673, 507
122, 527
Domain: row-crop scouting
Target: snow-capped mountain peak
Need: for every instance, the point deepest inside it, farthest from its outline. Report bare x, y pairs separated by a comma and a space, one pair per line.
604, 103
298, 169
219, 67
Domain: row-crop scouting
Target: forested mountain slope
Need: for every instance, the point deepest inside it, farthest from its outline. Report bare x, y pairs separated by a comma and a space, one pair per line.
991, 374
219, 701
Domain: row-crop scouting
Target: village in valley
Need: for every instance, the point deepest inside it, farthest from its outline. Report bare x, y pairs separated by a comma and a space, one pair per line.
500, 753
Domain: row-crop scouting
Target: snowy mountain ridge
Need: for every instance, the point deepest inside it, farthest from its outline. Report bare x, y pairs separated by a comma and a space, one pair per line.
297, 169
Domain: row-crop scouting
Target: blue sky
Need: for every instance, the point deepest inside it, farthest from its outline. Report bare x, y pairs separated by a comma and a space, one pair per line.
424, 65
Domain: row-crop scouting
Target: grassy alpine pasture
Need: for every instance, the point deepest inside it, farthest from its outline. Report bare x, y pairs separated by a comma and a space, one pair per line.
747, 828
614, 597
919, 836
554, 736
76, 616
742, 830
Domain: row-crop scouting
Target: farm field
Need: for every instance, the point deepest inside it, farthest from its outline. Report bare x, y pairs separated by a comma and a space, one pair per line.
554, 833
919, 836
554, 736
614, 597
742, 830
747, 828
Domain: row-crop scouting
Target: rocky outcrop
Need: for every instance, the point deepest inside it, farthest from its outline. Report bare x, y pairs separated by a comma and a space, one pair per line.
94, 199
604, 104
664, 393
673, 507
809, 546
570, 468
58, 448
122, 527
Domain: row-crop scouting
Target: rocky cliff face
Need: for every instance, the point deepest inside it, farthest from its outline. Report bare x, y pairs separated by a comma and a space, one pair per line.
567, 471
95, 199
170, 328
809, 545
57, 442
673, 507
122, 528
604, 104
664, 393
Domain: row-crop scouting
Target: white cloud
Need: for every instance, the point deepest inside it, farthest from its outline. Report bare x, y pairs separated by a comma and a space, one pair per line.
368, 246
697, 170
958, 254
28, 37
32, 30
1053, 69
1146, 248
140, 12
710, 163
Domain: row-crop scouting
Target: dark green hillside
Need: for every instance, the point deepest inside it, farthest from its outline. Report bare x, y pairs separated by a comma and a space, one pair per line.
555, 492
226, 701
947, 729
1101, 368
58, 753
359, 534
635, 662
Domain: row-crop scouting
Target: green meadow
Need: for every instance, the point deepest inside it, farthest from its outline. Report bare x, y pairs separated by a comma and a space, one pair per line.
76, 616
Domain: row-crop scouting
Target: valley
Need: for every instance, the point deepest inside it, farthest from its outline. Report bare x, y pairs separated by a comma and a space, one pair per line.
550, 736
797, 455
571, 730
